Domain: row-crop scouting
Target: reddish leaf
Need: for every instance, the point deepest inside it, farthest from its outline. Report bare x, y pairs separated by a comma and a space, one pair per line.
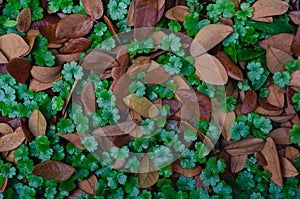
296, 43
26, 131
88, 186
24, 20
123, 61
74, 138
94, 8
111, 27
295, 16
49, 33
75, 194
281, 136
145, 13
282, 41
175, 106
291, 153
281, 119
263, 102
13, 46
260, 110
19, 68
249, 103
47, 20
140, 64
61, 59
53, 170
245, 146
76, 46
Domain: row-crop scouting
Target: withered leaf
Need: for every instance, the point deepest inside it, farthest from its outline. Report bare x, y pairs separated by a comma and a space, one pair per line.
45, 74
3, 59
263, 102
123, 61
13, 45
97, 60
276, 59
88, 186
198, 103
49, 33
75, 194
19, 69
74, 138
177, 13
266, 8
73, 26
5, 129
53, 170
186, 172
295, 16
142, 106
157, 76
249, 103
24, 20
245, 146
208, 37
296, 43
37, 86
11, 141
28, 135
210, 70
94, 8
148, 173
264, 19
282, 41
37, 123
88, 98
115, 129
140, 64
281, 136
288, 169
295, 78
262, 111
269, 151
291, 152
145, 14
65, 58
281, 119
260, 158
180, 82
77, 45
276, 96
237, 162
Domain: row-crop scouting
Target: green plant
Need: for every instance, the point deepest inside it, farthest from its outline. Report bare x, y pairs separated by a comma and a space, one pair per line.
295, 134
228, 104
221, 8
281, 79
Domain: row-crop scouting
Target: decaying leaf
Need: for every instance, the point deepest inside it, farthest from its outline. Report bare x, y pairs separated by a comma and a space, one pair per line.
145, 14
262, 111
53, 170
177, 13
266, 8
276, 96
122, 128
208, 37
281, 119
24, 20
3, 59
11, 141
74, 138
291, 152
249, 103
157, 76
296, 43
148, 173
12, 45
276, 59
282, 41
88, 186
97, 60
237, 163
295, 16
5, 129
223, 121
49, 33
269, 151
77, 45
281, 136
45, 74
140, 64
66, 58
245, 146
88, 98
94, 8
295, 78
288, 169
19, 69
37, 123
37, 86
123, 63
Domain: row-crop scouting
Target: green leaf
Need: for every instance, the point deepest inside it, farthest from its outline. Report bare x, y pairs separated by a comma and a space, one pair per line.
247, 54
90, 143
295, 134
281, 79
279, 25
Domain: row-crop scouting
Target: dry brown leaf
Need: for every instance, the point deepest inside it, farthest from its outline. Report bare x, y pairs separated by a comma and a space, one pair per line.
245, 146
74, 138
140, 64
177, 13
208, 37
3, 59
276, 96
37, 123
5, 129
28, 135
237, 163
24, 20
53, 170
176, 166
223, 121
260, 158
75, 194
37, 86
288, 169
295, 78
123, 63
148, 173
115, 129
142, 106
296, 43
77, 45
276, 59
291, 152
289, 110
49, 33
88, 186
111, 27
88, 98
94, 8
210, 70
180, 82
19, 68
273, 164
295, 16
264, 19
263, 102
262, 111
145, 13
13, 45
157, 76
11, 141
45, 74
30, 40
282, 41
281, 119
266, 8
280, 136
97, 60
249, 103
61, 59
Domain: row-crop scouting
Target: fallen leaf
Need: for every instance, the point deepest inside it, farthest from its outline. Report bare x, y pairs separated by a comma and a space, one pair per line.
73, 26
245, 146
282, 41
288, 169
295, 78
5, 129
237, 162
97, 60
281, 136
276, 59
75, 194
291, 153
157, 76
249, 103
296, 43
262, 111
30, 40
24, 20
276, 96
140, 64
281, 119
148, 174
180, 82
122, 128
119, 164
174, 105
77, 45
13, 45
223, 121
266, 8
94, 8
269, 151
37, 86
295, 17
145, 13
264, 19
37, 123
260, 158
3, 59
49, 33
61, 59
176, 166
88, 186
53, 170
177, 13
208, 37
123, 62
46, 74
74, 138
28, 135
88, 98
47, 20
142, 106
19, 69
263, 102
11, 141
210, 70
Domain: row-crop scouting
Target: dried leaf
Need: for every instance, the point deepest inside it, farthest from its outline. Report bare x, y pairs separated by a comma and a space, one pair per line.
53, 170
97, 60
74, 138
210, 70
276, 96
148, 174
273, 165
145, 14
45, 74
19, 69
61, 59
288, 169
237, 163
260, 158
260, 110
208, 37
94, 8
88, 98
123, 61
295, 16
73, 26
37, 123
5, 129
295, 78
276, 59
266, 8
49, 33
281, 136
3, 59
11, 141
47, 20
142, 106
249, 103
264, 19
282, 41
291, 153
157, 76
88, 186
263, 102
140, 64
186, 172
75, 194
281, 119
115, 129
24, 20
37, 86
245, 146
76, 46
28, 135
177, 13
223, 121
12, 45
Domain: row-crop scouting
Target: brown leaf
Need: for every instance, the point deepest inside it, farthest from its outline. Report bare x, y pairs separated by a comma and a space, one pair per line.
245, 146
94, 8
260, 158
3, 59
111, 27
49, 33
73, 26
198, 103
208, 37
142, 106
37, 86
177, 13
273, 165
123, 61
176, 166
37, 123
145, 13
19, 69
46, 74
295, 78
74, 138
223, 121
88, 186
174, 105
266, 8
237, 162
140, 64
11, 141
249, 103
288, 169
12, 45
61, 58
281, 119
276, 59
282, 41
281, 136
157, 76
53, 170
180, 82
262, 111
24, 20
264, 19
5, 129
263, 102
75, 194
148, 174
88, 98
276, 96
210, 70
115, 129
28, 135
295, 16
47, 20
76, 46
291, 152
97, 60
